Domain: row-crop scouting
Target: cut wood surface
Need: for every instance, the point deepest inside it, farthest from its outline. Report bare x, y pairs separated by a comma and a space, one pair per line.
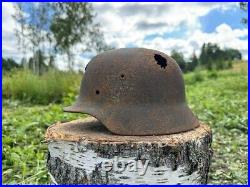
78, 150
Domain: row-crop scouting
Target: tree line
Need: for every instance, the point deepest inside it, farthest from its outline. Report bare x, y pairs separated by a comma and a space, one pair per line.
211, 57
41, 63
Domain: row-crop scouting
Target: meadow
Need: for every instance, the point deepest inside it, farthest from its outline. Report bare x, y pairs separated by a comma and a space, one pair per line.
31, 104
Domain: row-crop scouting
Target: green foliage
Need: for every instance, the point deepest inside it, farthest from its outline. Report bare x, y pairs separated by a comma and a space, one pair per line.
212, 74
232, 54
190, 66
179, 58
244, 7
222, 103
62, 25
193, 78
219, 100
32, 36
24, 148
51, 87
37, 63
212, 57
9, 64
72, 23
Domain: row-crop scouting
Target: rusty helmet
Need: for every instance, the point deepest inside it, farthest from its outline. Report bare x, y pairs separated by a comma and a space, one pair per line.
135, 91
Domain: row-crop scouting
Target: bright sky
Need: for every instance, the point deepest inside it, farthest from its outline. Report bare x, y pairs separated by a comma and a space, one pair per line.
162, 26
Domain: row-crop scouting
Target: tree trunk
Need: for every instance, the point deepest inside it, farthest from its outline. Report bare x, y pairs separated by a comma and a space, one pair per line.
70, 60
85, 152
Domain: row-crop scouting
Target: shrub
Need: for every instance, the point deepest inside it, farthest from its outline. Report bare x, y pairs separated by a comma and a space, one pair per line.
212, 75
198, 77
194, 77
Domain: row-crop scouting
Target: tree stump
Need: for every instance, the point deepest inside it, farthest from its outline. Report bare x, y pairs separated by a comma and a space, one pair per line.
85, 152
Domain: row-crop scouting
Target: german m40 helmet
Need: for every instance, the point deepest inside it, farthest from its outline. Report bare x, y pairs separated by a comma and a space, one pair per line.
135, 91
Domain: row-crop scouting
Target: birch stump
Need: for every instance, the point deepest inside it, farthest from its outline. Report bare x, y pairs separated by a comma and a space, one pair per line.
85, 152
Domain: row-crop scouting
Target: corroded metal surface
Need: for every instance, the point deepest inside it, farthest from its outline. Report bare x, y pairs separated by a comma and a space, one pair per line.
135, 91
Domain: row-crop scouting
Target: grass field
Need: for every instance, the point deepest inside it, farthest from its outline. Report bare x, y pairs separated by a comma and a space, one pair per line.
217, 98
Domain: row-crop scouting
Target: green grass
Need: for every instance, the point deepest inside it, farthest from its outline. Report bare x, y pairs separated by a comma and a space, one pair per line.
222, 103
51, 87
217, 98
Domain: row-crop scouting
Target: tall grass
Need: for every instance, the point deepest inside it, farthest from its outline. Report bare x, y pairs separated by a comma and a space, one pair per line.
50, 87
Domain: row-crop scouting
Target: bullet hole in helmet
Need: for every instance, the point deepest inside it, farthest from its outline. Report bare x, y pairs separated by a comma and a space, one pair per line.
122, 76
97, 92
161, 61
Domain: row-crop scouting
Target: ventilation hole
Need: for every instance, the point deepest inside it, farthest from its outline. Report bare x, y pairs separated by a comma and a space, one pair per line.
97, 92
122, 76
161, 61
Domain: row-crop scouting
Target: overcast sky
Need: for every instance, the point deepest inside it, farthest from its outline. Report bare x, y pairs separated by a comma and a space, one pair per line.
162, 26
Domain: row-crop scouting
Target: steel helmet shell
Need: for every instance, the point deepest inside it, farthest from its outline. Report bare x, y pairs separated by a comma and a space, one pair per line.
135, 91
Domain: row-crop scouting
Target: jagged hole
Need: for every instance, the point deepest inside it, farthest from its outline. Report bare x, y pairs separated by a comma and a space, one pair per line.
161, 61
